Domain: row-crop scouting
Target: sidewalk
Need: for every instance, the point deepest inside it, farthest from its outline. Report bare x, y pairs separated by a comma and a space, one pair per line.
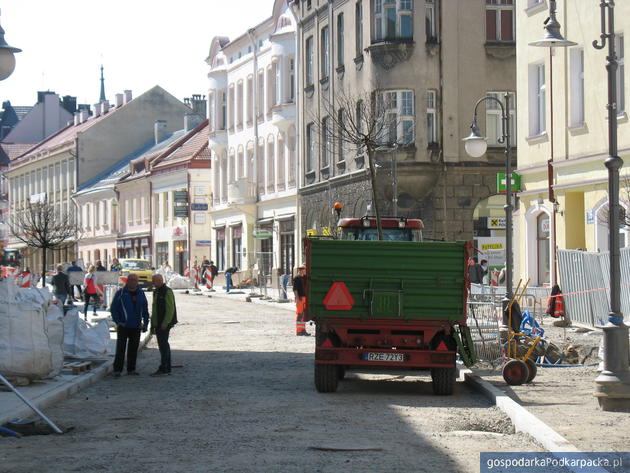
44, 393
239, 294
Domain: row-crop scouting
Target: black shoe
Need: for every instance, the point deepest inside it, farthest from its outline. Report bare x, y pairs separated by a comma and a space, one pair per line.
159, 372
117, 374
133, 373
303, 334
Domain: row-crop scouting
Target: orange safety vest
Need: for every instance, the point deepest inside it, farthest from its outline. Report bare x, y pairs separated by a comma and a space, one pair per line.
555, 306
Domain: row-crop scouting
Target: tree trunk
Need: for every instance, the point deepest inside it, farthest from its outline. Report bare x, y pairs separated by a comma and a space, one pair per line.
44, 267
379, 227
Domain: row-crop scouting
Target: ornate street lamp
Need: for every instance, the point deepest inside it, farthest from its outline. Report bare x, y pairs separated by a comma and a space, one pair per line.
612, 386
7, 57
476, 146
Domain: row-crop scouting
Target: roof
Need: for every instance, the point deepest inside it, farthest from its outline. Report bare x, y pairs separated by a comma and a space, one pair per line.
10, 151
193, 147
120, 170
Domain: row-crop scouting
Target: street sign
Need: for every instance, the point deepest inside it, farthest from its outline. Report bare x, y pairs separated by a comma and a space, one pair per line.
338, 297
180, 211
204, 242
180, 196
199, 207
262, 234
496, 223
501, 184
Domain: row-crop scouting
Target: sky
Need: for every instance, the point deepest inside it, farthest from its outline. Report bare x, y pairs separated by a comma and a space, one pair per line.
141, 43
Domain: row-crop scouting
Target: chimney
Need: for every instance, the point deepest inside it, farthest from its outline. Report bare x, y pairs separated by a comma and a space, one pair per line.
84, 115
69, 103
160, 130
104, 106
119, 100
97, 109
128, 96
198, 104
191, 120
77, 118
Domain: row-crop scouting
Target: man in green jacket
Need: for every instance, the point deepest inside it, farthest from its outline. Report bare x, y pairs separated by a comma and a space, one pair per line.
163, 317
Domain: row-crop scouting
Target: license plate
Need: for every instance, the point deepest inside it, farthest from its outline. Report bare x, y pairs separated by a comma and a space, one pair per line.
395, 357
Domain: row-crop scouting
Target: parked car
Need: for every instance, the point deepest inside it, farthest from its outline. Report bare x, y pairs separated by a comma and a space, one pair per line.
141, 267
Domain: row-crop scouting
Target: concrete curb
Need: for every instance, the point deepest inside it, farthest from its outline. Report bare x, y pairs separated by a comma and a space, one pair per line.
289, 306
65, 391
525, 421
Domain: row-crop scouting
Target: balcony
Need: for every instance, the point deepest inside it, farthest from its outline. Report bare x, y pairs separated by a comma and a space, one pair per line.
283, 115
388, 53
217, 140
242, 192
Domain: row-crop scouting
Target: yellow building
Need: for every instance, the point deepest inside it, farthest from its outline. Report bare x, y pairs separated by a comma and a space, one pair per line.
563, 136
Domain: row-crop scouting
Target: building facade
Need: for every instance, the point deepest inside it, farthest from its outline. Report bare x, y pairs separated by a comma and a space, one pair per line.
252, 119
563, 136
421, 65
55, 168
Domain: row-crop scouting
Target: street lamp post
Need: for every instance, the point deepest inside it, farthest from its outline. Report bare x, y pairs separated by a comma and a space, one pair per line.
612, 386
7, 57
476, 146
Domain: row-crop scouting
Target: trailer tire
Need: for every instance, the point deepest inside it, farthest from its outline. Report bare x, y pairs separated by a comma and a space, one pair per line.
515, 372
341, 372
532, 368
326, 378
443, 381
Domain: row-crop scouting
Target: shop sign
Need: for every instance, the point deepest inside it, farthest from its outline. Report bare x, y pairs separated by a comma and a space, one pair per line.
180, 196
179, 232
199, 207
262, 234
203, 242
515, 183
496, 223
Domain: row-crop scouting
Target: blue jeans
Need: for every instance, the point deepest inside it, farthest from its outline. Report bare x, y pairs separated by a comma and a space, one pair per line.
228, 281
165, 349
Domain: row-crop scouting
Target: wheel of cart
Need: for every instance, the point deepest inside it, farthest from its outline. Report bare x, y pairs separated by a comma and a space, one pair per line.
326, 378
443, 380
515, 372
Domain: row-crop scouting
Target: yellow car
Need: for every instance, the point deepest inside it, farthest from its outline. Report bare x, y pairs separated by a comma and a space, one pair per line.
141, 267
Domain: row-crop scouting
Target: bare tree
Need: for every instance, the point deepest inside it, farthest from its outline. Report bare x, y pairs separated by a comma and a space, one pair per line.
361, 120
44, 226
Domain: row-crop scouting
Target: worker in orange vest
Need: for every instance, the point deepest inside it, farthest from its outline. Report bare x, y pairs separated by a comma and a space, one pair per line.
555, 305
299, 290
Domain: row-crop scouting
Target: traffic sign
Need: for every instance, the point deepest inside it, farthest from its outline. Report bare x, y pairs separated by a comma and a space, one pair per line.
199, 207
338, 297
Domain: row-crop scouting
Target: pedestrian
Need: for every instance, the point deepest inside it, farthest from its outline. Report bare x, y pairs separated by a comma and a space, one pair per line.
213, 273
475, 273
228, 277
115, 266
130, 312
299, 290
163, 318
205, 263
74, 268
91, 290
99, 266
484, 271
61, 285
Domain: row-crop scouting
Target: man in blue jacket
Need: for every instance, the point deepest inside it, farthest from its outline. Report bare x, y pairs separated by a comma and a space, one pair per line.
130, 311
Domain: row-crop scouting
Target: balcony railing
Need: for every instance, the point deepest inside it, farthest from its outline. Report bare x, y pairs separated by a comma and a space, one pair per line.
242, 192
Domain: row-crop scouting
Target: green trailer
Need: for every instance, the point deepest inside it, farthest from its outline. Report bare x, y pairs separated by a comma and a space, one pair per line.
388, 304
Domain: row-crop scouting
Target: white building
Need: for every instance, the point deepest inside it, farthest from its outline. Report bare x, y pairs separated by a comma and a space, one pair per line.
252, 115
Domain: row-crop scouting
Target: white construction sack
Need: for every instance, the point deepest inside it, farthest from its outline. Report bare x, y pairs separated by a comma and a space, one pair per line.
82, 340
54, 327
25, 347
179, 282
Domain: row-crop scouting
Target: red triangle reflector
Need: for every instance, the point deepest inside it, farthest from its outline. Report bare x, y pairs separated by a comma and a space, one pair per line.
338, 297
327, 343
442, 346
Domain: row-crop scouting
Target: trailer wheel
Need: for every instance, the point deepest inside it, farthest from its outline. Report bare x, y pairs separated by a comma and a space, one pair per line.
341, 372
443, 381
326, 378
515, 372
532, 369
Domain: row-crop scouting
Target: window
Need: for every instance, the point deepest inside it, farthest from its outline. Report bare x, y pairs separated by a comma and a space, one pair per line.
231, 107
340, 44
240, 168
223, 115
220, 259
138, 211
239, 104
261, 93
291, 80
399, 116
271, 88
621, 76
211, 111
278, 72
537, 105
97, 215
287, 246
393, 19
431, 117
292, 154
429, 21
340, 136
577, 86
499, 20
250, 99
280, 164
309, 61
494, 120
325, 52
231, 167
327, 141
261, 167
237, 245
271, 160
310, 146
161, 253
358, 34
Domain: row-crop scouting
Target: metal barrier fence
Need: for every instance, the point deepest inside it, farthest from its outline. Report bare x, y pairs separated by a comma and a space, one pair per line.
534, 300
483, 320
585, 283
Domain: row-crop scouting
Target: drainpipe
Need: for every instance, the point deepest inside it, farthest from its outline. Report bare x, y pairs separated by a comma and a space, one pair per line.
298, 90
151, 241
441, 121
190, 258
255, 98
